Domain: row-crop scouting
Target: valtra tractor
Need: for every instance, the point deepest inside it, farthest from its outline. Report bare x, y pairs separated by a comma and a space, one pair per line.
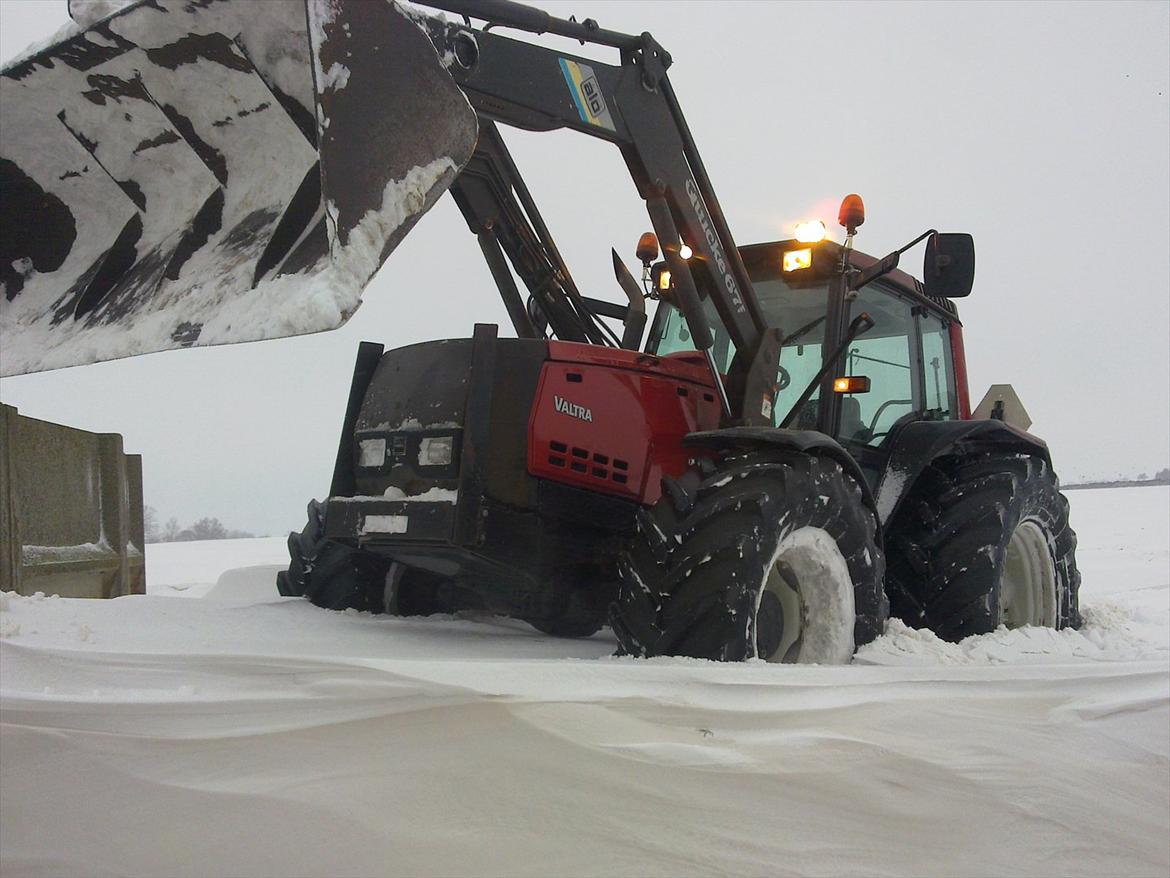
784, 456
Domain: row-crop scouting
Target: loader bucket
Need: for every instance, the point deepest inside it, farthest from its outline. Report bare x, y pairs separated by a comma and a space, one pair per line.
200, 172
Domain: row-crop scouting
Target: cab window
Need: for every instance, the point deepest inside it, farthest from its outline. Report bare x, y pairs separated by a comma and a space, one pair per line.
941, 400
885, 355
797, 309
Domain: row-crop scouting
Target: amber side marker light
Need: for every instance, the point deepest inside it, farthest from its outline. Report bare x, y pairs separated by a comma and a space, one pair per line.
664, 279
855, 384
794, 260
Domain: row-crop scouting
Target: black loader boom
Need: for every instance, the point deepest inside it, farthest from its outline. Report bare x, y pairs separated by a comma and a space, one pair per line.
633, 106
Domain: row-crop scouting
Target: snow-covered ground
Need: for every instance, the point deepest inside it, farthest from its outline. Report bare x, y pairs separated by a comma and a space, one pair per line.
245, 734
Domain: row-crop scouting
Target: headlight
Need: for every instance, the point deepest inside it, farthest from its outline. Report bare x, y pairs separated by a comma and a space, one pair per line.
436, 450
371, 452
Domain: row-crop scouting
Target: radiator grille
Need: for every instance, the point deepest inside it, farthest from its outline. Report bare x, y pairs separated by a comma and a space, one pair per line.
585, 462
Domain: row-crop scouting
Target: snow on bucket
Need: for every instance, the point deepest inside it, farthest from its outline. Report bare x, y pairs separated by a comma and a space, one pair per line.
181, 174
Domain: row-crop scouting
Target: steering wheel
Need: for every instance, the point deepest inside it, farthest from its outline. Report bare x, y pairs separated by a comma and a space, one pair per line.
783, 379
904, 419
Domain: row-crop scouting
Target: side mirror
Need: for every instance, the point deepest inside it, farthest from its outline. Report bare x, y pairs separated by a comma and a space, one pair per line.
948, 271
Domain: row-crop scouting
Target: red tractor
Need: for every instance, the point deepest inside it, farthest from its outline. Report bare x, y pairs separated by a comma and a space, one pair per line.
785, 457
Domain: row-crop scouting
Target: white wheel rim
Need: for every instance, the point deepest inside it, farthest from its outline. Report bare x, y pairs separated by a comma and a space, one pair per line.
782, 582
810, 577
1027, 590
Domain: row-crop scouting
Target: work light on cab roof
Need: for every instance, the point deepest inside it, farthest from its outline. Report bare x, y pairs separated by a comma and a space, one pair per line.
811, 232
795, 260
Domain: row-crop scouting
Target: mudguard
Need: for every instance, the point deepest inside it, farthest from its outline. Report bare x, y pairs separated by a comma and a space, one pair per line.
805, 441
914, 446
199, 172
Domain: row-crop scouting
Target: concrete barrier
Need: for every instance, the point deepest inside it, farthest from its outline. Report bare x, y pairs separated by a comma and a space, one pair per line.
70, 511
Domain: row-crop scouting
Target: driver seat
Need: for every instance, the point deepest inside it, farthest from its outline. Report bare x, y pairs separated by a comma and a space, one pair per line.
851, 422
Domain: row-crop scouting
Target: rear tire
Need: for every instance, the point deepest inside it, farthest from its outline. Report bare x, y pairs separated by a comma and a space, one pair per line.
768, 554
984, 541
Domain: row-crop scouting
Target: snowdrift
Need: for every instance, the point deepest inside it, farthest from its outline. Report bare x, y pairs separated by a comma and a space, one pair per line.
246, 734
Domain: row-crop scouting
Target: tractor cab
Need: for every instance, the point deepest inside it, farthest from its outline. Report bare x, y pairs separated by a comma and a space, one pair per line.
908, 366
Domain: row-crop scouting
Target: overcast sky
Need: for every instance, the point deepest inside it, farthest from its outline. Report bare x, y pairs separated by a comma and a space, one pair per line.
1042, 129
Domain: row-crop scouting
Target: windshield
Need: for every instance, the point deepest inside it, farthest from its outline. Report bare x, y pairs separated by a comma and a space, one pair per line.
798, 310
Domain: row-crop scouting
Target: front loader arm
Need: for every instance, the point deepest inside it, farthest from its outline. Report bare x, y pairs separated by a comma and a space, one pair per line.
631, 105
501, 213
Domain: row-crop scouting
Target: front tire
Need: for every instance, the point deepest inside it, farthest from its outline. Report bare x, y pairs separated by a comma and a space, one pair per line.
576, 602
984, 541
331, 574
766, 554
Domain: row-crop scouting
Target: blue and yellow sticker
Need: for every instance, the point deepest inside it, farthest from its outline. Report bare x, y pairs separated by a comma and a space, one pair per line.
586, 92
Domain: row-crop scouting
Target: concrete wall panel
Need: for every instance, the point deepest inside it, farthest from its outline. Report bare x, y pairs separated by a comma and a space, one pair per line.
71, 518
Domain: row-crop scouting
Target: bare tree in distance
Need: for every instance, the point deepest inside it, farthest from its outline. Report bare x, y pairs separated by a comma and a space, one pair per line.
206, 528
151, 533
171, 531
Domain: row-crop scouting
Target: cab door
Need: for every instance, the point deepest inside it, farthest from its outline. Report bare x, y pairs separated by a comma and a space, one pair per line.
940, 394
888, 355
907, 358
